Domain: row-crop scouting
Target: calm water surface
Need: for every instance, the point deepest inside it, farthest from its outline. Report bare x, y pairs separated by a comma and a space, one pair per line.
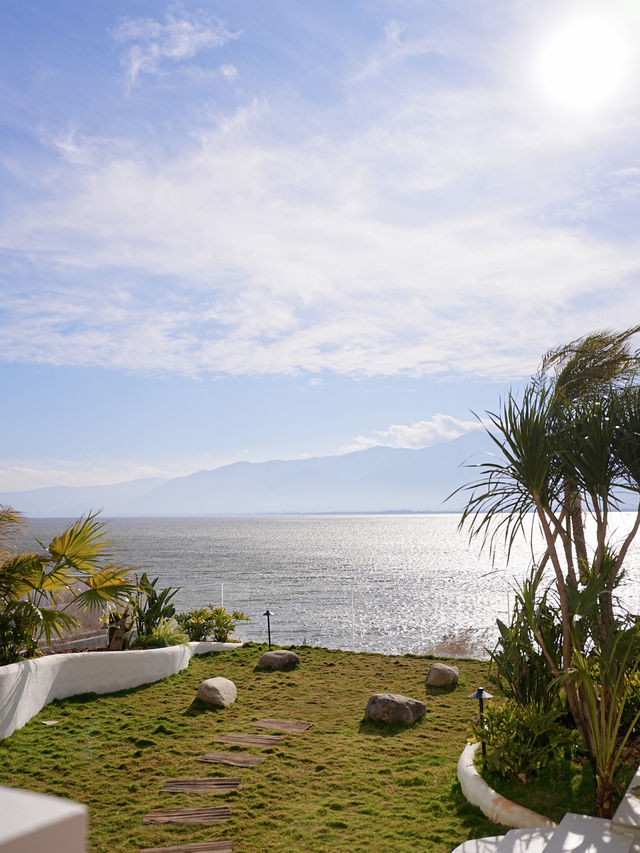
392, 584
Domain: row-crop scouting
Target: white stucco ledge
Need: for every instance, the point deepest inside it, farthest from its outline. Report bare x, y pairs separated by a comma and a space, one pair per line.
496, 807
26, 687
39, 822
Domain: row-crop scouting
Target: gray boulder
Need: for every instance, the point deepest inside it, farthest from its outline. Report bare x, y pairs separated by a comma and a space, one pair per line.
441, 675
278, 659
218, 691
392, 708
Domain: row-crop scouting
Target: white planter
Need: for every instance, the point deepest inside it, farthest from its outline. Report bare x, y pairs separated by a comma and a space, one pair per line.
496, 807
26, 687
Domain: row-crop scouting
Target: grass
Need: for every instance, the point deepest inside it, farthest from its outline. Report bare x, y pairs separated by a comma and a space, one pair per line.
345, 785
562, 786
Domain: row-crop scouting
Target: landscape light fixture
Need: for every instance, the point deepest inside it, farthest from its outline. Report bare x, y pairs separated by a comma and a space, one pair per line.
482, 696
268, 615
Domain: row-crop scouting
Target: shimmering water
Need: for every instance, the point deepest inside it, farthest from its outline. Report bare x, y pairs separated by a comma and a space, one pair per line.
384, 583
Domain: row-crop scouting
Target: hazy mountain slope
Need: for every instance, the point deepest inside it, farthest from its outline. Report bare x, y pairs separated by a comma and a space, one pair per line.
377, 479
73, 501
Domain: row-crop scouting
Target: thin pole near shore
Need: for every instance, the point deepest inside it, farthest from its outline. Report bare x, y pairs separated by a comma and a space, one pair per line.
353, 625
221, 595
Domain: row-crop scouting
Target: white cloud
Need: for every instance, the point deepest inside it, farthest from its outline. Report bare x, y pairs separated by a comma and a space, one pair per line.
394, 49
437, 430
180, 36
19, 475
416, 239
229, 72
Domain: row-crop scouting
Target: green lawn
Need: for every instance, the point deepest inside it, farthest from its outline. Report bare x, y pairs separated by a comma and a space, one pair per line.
344, 785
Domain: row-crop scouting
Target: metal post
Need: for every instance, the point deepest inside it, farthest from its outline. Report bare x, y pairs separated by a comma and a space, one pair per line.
484, 746
268, 615
482, 696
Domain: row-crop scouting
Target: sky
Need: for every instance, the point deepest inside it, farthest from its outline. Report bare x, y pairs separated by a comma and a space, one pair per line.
245, 230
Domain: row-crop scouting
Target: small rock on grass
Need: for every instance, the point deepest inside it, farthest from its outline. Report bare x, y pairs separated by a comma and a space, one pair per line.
278, 659
218, 691
441, 675
393, 708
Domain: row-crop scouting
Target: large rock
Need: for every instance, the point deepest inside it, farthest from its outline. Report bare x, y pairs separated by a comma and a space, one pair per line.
218, 691
392, 708
278, 659
441, 675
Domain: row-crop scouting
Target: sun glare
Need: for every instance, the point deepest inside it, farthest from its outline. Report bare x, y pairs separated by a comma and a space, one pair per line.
583, 65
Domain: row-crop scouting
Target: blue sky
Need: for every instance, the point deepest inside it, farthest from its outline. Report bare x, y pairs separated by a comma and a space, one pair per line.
250, 230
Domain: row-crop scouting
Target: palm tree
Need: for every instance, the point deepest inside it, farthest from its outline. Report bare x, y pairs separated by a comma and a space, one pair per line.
75, 566
567, 449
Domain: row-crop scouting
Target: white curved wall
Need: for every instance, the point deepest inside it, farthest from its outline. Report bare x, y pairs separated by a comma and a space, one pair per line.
26, 687
496, 807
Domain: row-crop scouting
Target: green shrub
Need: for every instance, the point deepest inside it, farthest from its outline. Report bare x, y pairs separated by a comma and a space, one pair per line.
521, 739
210, 621
166, 633
197, 624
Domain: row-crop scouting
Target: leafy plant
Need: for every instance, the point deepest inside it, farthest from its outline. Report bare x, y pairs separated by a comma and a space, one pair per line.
521, 739
165, 633
608, 680
520, 665
197, 624
36, 590
150, 607
210, 621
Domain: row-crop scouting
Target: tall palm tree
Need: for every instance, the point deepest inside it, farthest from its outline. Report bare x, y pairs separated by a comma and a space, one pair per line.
568, 448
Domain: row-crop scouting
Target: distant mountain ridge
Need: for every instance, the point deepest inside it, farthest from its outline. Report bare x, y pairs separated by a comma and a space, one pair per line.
379, 479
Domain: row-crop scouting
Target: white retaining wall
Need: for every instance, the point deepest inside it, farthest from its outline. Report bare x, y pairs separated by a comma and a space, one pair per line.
496, 807
26, 687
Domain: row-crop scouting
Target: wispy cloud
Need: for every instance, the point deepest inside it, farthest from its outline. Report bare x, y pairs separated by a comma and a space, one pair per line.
393, 49
151, 44
413, 436
24, 474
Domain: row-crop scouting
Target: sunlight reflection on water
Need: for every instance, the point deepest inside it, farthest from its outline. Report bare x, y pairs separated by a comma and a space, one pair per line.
417, 584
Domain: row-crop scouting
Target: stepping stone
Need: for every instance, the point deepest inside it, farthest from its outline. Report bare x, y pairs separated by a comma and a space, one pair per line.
251, 740
293, 727
236, 759
224, 846
204, 814
214, 785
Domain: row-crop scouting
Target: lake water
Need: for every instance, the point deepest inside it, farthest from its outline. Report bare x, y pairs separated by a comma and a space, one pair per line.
382, 583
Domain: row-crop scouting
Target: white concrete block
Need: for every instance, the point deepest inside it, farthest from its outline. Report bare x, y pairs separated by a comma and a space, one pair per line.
480, 845
578, 833
34, 823
525, 840
627, 816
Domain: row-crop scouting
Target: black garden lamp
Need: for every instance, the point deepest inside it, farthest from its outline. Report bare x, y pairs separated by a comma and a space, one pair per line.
267, 613
482, 696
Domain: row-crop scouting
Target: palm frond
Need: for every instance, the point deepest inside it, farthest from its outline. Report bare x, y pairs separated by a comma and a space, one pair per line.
83, 546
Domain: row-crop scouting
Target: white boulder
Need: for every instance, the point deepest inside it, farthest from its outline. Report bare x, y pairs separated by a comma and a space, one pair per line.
218, 691
441, 675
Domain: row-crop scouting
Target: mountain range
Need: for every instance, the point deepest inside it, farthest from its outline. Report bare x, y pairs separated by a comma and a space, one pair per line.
379, 479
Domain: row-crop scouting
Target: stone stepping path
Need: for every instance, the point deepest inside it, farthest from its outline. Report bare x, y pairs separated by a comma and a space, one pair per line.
213, 785
236, 759
204, 814
251, 740
223, 846
293, 727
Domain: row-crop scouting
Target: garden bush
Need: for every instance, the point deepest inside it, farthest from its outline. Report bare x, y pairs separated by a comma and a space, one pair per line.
210, 621
521, 739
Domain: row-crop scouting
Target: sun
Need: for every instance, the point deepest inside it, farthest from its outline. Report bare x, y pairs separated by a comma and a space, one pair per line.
583, 65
